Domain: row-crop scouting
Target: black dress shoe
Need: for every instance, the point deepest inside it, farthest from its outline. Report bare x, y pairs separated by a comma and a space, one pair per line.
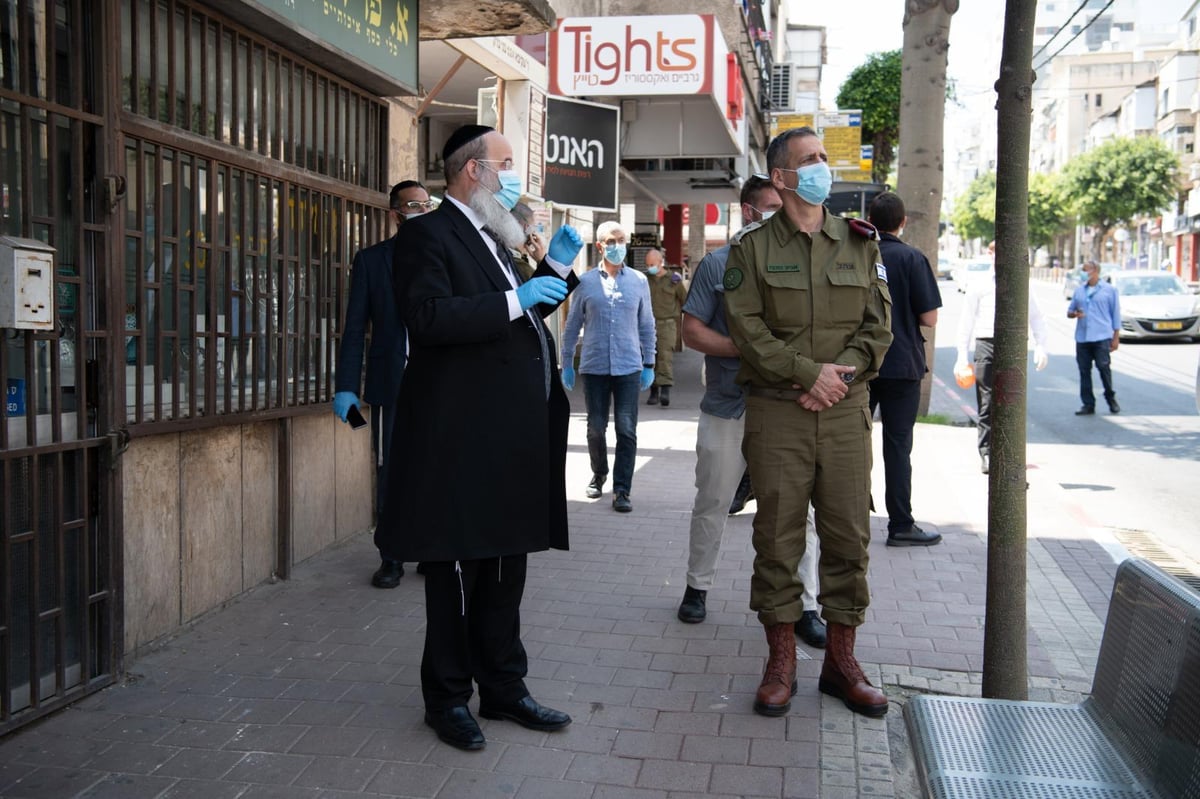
528, 714
621, 503
916, 537
388, 574
457, 727
665, 396
691, 609
811, 629
1113, 406
421, 569
653, 398
1086, 410
596, 487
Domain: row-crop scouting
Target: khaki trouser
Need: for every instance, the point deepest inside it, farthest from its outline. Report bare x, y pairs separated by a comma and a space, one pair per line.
719, 468
796, 456
664, 351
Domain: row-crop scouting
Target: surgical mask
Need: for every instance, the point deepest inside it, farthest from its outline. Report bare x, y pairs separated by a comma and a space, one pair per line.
615, 253
766, 214
813, 182
651, 270
509, 192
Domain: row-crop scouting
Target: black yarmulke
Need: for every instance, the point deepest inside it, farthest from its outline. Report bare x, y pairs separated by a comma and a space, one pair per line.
463, 136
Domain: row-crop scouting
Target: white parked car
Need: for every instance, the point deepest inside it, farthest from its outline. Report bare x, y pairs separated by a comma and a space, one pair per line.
1156, 305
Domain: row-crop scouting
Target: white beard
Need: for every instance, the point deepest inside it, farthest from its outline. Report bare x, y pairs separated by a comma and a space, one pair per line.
496, 219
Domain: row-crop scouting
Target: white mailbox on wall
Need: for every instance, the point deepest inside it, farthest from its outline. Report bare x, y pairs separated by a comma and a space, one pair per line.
26, 284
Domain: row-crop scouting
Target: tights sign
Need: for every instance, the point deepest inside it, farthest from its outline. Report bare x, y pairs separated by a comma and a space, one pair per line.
632, 55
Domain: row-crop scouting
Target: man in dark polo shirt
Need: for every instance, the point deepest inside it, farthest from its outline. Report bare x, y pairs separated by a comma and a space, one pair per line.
897, 389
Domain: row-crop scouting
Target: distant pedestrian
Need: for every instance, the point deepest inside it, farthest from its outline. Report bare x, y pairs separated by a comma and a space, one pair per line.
616, 360
1096, 309
978, 321
897, 390
667, 294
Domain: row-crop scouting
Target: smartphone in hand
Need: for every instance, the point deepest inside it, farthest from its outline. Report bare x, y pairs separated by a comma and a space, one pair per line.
355, 418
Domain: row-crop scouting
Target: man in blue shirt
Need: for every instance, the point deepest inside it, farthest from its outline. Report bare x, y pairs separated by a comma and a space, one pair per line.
1096, 309
612, 307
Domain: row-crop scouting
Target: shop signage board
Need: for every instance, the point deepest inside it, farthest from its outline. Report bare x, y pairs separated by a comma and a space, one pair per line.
581, 154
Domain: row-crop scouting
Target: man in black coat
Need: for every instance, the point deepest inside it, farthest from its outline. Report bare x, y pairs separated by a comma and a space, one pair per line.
373, 303
480, 436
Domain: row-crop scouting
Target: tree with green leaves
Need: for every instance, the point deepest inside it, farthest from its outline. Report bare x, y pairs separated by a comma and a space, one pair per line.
1118, 181
874, 87
1047, 209
974, 214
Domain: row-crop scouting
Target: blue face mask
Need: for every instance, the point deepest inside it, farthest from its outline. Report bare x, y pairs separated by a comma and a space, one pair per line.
615, 253
813, 182
651, 270
509, 192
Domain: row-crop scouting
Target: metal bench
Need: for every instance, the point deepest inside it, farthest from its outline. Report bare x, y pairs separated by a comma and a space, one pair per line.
1137, 735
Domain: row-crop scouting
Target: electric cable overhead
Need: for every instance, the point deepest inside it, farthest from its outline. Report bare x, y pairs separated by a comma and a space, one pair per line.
1076, 36
1061, 28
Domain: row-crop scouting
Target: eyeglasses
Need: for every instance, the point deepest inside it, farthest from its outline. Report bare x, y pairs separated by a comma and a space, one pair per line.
610, 242
507, 163
417, 205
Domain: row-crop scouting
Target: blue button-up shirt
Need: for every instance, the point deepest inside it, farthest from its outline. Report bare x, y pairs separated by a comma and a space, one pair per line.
617, 322
1101, 306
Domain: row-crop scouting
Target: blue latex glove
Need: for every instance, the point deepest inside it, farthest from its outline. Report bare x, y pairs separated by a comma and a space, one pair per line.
568, 378
342, 402
647, 378
551, 290
565, 245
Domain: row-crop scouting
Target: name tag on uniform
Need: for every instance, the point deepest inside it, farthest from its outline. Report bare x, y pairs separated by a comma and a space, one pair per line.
783, 267
844, 266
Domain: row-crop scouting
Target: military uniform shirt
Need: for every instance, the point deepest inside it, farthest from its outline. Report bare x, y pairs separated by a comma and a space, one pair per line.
794, 301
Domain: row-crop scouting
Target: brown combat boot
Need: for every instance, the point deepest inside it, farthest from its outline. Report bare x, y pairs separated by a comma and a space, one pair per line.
841, 676
774, 697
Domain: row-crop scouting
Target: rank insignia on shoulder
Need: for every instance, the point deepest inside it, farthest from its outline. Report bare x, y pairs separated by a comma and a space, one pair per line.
733, 278
863, 228
737, 237
881, 271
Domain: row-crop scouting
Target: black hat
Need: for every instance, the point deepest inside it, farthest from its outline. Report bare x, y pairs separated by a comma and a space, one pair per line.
461, 137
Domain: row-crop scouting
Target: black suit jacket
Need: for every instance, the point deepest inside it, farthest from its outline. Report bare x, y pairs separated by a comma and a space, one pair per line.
479, 453
372, 301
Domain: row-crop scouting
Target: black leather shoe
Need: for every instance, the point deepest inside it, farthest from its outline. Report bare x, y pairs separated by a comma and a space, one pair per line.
457, 727
621, 503
421, 570
916, 537
653, 398
528, 714
596, 487
985, 463
665, 396
811, 629
1113, 405
743, 494
1086, 410
691, 609
388, 574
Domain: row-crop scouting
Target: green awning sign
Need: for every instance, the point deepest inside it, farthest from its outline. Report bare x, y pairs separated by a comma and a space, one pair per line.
382, 34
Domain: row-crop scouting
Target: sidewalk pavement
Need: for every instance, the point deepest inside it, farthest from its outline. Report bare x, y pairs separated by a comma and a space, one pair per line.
310, 687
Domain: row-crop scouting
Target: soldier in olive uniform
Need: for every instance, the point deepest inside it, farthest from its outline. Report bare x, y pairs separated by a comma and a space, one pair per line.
808, 307
667, 295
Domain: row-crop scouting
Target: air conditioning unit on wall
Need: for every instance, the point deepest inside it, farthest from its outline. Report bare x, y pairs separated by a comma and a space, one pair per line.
782, 87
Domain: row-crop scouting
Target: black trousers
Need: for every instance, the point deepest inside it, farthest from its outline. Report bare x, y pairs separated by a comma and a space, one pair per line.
383, 418
897, 401
984, 350
473, 632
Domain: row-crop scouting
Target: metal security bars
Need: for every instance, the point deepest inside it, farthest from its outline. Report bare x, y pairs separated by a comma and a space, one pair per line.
56, 564
251, 180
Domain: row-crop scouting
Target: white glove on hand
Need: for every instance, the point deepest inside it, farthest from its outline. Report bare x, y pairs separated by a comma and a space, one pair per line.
1040, 358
